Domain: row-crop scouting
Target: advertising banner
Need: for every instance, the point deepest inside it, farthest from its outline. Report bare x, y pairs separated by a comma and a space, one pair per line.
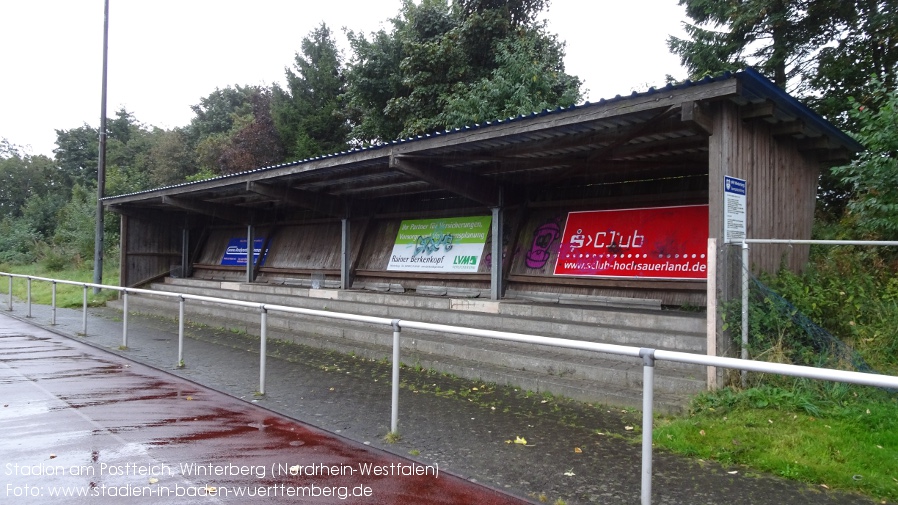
440, 245
235, 254
649, 243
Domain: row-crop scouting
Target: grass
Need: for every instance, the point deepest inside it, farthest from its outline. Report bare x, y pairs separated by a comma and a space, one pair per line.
67, 296
835, 436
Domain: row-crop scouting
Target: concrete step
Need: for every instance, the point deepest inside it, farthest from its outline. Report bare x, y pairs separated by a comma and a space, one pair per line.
576, 374
656, 329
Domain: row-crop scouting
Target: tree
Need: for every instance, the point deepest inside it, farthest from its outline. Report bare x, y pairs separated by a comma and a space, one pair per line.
529, 78
867, 47
216, 113
308, 114
231, 132
254, 141
446, 65
778, 37
874, 175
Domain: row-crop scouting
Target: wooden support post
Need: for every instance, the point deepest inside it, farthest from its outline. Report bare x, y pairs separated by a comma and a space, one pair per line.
345, 281
249, 253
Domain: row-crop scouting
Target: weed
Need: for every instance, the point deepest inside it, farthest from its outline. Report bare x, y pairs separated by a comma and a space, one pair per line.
414, 452
392, 437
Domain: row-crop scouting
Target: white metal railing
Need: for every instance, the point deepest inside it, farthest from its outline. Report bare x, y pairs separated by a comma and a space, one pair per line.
648, 356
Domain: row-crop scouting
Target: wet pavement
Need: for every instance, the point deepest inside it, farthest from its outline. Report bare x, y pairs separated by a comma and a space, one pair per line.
575, 453
82, 425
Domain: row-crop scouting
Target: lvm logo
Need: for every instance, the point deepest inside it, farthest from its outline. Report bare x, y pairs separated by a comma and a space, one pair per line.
464, 260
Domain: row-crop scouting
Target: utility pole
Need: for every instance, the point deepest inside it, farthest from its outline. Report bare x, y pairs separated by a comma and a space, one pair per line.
101, 164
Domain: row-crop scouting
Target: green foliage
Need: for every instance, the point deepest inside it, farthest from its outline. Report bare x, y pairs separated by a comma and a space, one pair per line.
523, 83
233, 131
821, 433
17, 241
779, 37
866, 46
308, 114
873, 176
841, 312
76, 229
67, 296
443, 66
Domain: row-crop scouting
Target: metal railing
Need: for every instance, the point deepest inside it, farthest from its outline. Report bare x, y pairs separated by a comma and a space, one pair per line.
746, 273
648, 356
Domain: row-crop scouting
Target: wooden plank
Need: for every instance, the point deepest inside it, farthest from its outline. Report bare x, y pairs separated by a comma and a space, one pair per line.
698, 285
423, 276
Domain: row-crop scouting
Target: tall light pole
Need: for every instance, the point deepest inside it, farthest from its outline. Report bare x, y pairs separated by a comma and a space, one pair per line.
101, 164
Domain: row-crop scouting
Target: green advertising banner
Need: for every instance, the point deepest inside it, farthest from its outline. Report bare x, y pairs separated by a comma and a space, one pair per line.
440, 245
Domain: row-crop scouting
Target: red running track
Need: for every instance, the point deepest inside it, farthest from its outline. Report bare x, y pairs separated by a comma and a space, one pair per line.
79, 425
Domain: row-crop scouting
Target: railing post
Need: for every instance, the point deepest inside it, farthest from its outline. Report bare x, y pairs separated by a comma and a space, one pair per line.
29, 297
648, 394
263, 348
745, 273
10, 293
125, 319
53, 304
394, 413
84, 311
180, 331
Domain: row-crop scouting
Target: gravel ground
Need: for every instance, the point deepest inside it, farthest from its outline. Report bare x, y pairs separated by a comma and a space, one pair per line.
575, 453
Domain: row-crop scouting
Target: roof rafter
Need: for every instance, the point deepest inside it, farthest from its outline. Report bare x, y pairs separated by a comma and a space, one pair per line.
474, 187
319, 202
226, 212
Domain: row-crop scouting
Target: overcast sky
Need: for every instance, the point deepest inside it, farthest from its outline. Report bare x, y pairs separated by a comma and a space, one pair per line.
165, 55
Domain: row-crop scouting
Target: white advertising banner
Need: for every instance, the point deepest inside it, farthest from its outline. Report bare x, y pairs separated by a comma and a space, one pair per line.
440, 245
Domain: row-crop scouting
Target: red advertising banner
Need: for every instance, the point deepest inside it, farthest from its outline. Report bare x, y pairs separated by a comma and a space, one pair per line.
650, 243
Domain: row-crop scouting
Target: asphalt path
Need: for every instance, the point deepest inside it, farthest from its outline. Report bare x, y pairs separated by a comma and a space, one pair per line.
81, 425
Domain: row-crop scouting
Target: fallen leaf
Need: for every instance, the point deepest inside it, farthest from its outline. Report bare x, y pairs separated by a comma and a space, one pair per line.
52, 456
473, 389
153, 480
570, 473
211, 489
824, 486
628, 428
578, 450
189, 398
492, 408
734, 472
770, 421
508, 441
294, 470
544, 401
702, 432
879, 447
868, 411
520, 440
